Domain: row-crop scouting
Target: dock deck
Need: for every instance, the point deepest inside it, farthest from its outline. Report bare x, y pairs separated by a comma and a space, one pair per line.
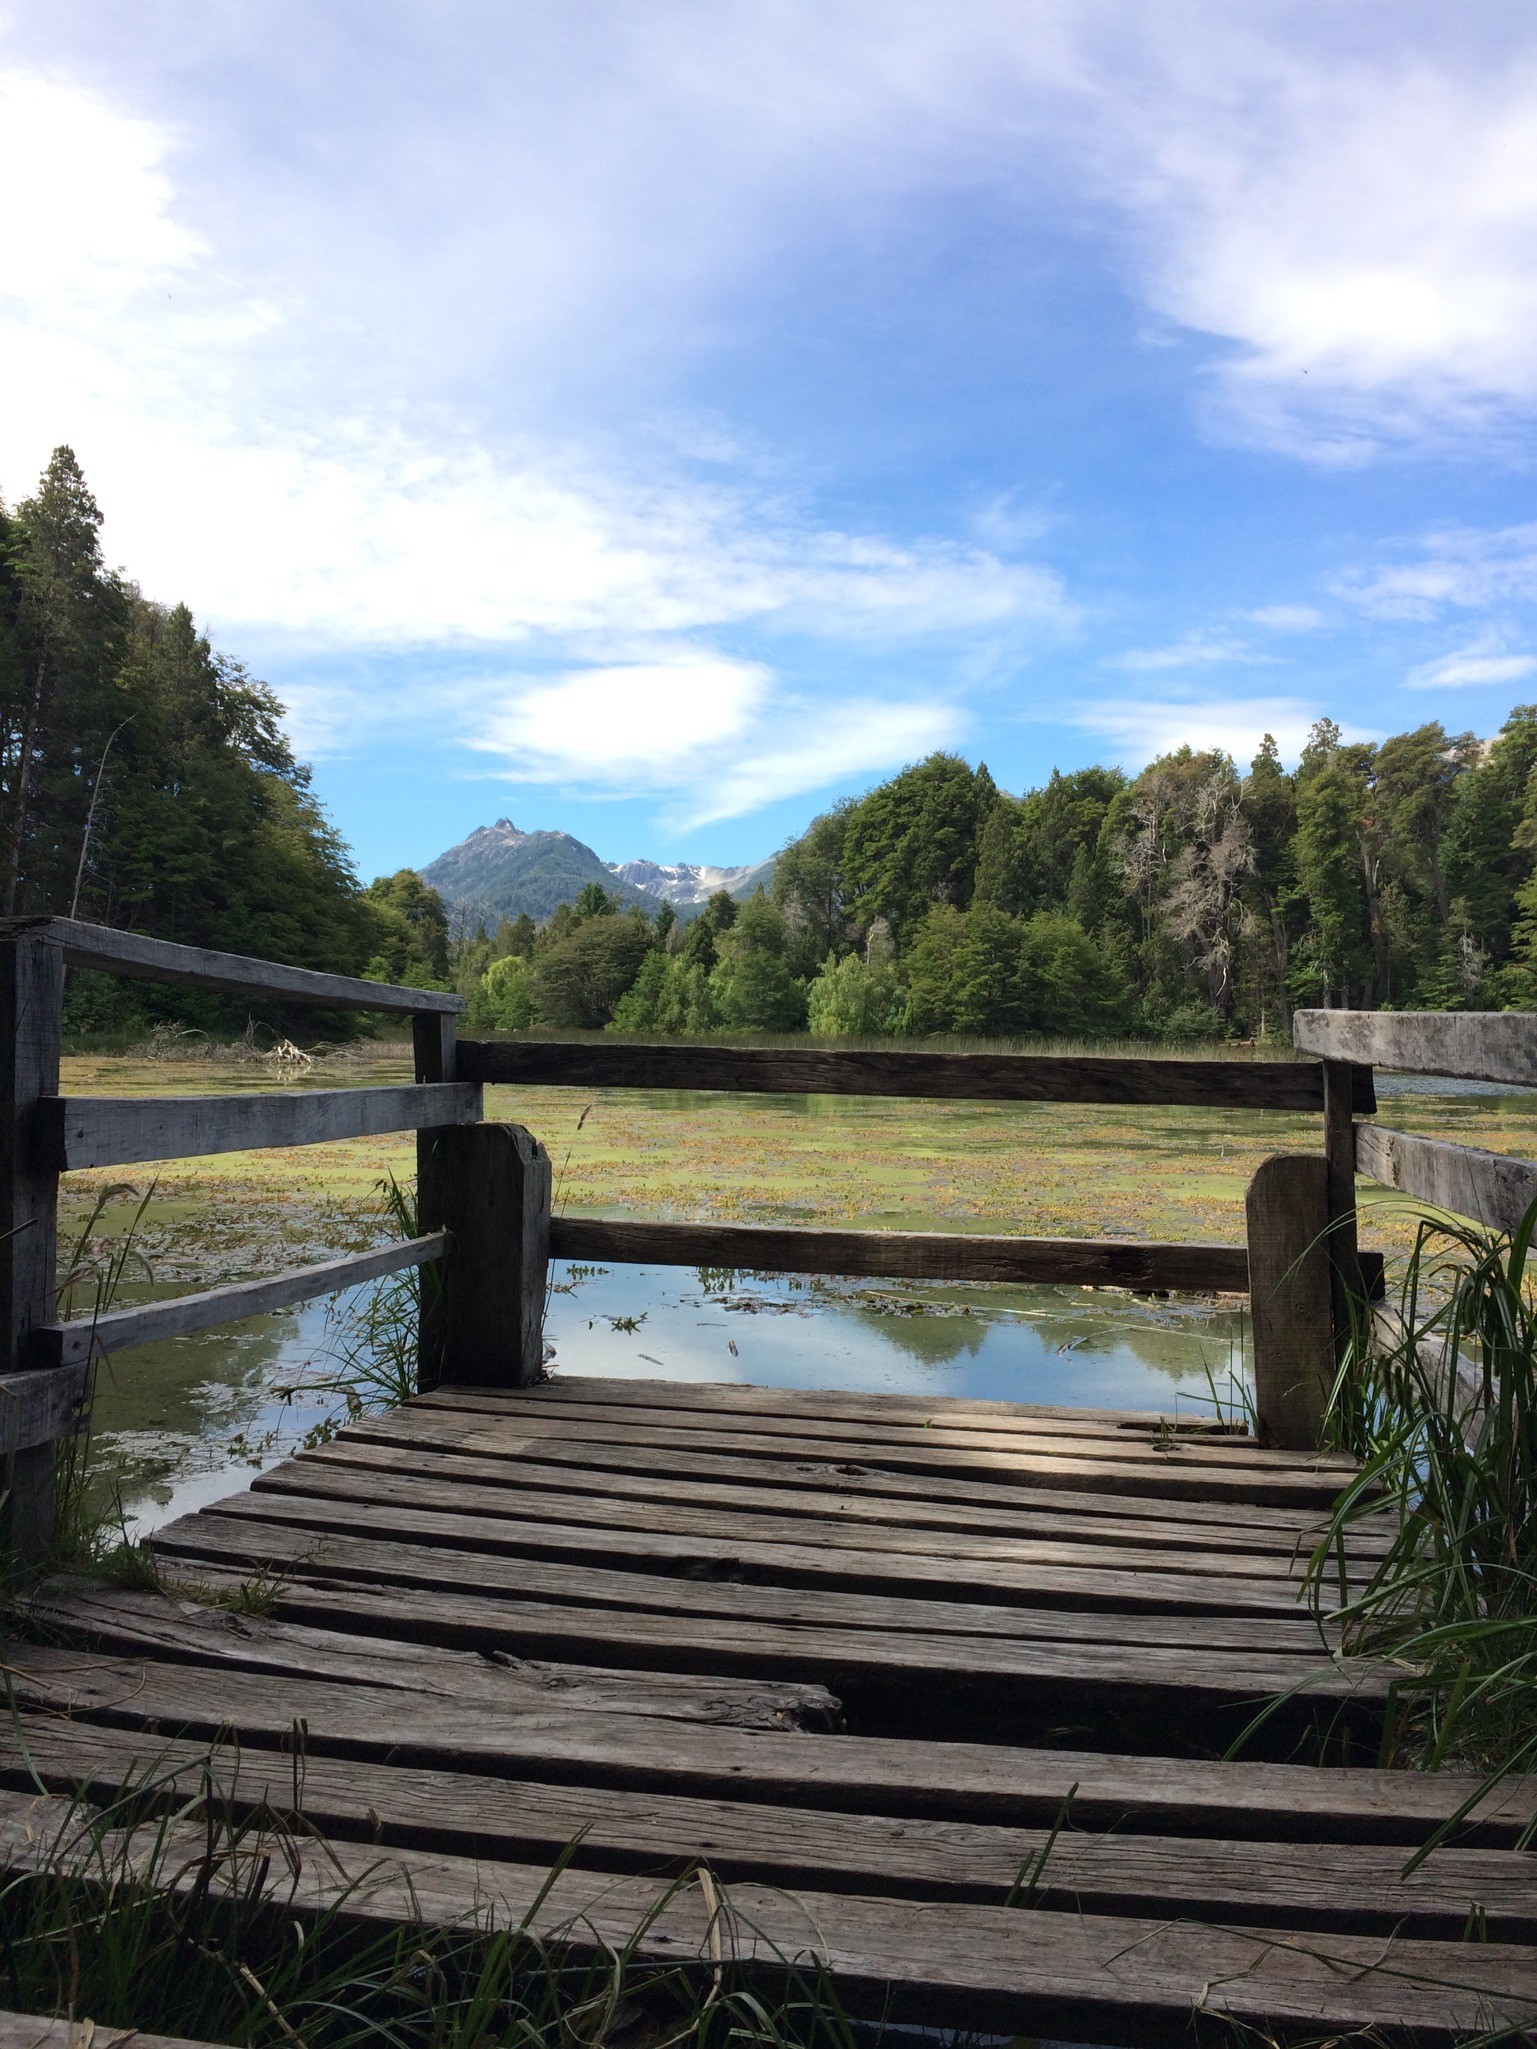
933, 1689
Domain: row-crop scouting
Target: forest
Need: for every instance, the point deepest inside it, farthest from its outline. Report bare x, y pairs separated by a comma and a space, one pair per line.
1190, 901
146, 782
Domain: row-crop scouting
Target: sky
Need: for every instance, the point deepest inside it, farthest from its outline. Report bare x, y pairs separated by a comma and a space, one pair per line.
656, 421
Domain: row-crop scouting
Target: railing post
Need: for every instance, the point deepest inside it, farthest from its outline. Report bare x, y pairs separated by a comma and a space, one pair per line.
488, 1186
31, 1022
1346, 1288
1290, 1305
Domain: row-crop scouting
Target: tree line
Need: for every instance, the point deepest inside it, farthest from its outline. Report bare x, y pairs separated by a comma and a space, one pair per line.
1191, 900
146, 783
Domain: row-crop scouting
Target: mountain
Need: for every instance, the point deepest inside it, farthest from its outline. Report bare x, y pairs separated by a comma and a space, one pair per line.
689, 886
499, 872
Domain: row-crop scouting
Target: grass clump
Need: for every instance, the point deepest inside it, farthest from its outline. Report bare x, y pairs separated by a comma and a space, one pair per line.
171, 1915
1439, 1402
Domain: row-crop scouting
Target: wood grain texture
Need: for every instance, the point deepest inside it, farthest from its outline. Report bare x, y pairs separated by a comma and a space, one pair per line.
1290, 1305
488, 1187
976, 1077
155, 1625
1006, 1970
1472, 1045
108, 1131
159, 960
32, 2031
85, 1338
43, 1405
992, 1782
1491, 1188
1358, 1888
923, 1255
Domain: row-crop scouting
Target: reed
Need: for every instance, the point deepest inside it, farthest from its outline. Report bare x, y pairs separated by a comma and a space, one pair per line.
1438, 1400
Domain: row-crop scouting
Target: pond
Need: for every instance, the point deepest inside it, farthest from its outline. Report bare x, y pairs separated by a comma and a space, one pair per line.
182, 1423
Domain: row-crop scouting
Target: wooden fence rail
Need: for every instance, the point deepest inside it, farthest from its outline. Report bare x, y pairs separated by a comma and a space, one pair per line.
484, 1190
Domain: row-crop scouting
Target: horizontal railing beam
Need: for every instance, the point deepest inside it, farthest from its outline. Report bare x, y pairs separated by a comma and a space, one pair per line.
75, 1343
1490, 1188
1469, 1045
116, 1131
978, 1077
42, 1407
906, 1255
160, 960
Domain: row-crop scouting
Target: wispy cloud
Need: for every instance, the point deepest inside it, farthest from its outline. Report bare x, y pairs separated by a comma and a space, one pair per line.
1484, 662
1454, 569
1288, 618
1195, 651
1137, 731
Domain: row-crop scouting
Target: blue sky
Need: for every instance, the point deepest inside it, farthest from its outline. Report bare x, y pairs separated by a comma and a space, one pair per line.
657, 420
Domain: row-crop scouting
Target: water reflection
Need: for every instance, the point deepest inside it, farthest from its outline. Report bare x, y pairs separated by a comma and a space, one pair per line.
186, 1422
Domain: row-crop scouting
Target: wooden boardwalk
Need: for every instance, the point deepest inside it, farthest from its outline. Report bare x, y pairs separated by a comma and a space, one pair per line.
933, 1689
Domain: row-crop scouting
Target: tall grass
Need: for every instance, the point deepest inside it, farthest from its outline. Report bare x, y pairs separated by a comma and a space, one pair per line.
1439, 1402
166, 1913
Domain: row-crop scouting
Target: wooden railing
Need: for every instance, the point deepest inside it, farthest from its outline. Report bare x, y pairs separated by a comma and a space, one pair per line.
484, 1202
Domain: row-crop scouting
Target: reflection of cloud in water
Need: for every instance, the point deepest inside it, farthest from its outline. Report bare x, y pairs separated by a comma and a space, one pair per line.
1051, 1345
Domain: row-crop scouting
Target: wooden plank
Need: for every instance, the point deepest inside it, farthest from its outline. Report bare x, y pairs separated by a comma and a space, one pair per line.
1287, 1208
1174, 1479
747, 1398
924, 1255
31, 1013
780, 1573
1228, 1454
881, 1523
158, 960
1492, 1189
1472, 1045
40, 1407
1006, 1970
488, 1187
617, 1532
1004, 1784
843, 1071
1330, 1886
154, 1625
86, 1337
108, 1131
33, 2031
430, 1429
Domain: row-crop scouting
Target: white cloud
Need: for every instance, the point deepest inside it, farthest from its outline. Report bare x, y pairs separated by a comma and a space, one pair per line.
717, 737
1458, 569
1195, 651
1288, 618
1137, 730
1482, 663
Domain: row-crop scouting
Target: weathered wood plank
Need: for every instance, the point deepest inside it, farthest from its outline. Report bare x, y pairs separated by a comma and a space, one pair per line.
747, 1398
923, 1255
40, 1407
1007, 1970
67, 1345
32, 2031
1488, 1187
1331, 1886
999, 1783
901, 1524
115, 1131
845, 1071
154, 1625
980, 1433
431, 1428
488, 1187
813, 1553
1472, 1045
158, 960
1174, 1479
1287, 1209
760, 1578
